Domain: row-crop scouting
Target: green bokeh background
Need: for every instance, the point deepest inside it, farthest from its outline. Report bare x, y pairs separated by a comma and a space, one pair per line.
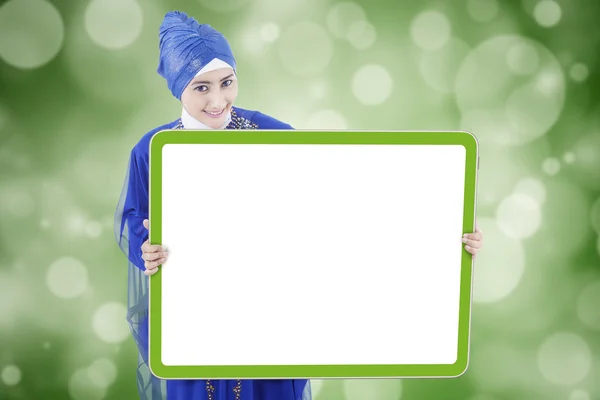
78, 88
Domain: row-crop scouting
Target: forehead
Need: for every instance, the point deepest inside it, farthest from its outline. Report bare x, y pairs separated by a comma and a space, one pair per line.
214, 76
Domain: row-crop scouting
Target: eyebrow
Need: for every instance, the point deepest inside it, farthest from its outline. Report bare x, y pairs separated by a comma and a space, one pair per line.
208, 82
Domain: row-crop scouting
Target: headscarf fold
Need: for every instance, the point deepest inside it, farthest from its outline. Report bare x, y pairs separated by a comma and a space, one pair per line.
185, 47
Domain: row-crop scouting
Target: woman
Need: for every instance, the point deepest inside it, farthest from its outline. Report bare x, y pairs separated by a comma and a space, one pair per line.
199, 68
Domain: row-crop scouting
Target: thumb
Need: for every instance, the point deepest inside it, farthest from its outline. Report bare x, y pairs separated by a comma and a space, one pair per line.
146, 223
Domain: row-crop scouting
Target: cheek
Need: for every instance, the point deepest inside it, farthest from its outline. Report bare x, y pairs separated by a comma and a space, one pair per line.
193, 101
231, 94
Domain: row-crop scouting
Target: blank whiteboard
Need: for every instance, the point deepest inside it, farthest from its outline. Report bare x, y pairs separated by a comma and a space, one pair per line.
311, 254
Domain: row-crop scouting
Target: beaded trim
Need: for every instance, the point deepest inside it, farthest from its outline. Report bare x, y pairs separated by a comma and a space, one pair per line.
210, 390
238, 390
236, 122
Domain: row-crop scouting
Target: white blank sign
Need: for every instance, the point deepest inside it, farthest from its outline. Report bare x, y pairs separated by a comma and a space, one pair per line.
311, 254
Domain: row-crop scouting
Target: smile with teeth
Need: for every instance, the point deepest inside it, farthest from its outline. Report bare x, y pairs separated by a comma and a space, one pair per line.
214, 114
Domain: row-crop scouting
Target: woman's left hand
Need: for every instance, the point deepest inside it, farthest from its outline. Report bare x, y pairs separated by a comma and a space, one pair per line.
474, 241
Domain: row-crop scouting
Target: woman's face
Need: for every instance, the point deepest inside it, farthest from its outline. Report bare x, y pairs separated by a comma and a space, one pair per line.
209, 96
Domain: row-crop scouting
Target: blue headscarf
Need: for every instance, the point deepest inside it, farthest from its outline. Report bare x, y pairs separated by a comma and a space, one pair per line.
186, 47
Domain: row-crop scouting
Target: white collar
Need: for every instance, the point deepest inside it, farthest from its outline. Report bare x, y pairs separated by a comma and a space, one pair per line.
190, 122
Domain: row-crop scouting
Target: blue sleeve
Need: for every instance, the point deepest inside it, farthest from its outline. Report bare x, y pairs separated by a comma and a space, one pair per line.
133, 210
267, 122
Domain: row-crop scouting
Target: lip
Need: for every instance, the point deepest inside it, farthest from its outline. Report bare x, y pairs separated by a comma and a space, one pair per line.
214, 115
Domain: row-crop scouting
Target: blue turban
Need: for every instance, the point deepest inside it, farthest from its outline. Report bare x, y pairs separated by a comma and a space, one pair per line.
186, 47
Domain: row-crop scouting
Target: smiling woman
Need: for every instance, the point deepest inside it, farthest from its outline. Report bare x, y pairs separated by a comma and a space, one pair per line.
200, 70
209, 98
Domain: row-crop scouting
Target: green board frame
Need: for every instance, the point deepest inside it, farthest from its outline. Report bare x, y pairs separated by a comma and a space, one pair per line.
176, 136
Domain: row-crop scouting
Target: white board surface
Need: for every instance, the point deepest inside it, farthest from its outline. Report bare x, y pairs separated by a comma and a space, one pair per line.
311, 254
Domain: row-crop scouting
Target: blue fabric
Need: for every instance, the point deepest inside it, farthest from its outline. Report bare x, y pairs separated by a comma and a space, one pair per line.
130, 235
185, 47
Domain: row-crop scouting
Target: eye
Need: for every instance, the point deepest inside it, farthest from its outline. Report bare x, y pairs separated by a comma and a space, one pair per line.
201, 88
227, 82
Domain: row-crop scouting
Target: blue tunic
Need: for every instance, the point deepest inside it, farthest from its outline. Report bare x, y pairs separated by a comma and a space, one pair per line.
131, 234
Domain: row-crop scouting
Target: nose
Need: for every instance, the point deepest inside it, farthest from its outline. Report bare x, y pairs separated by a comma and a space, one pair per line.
217, 100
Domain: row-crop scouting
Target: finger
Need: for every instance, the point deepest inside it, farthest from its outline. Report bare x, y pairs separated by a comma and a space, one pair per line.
151, 256
471, 250
146, 247
151, 264
151, 267
473, 236
150, 270
152, 248
155, 263
146, 222
472, 243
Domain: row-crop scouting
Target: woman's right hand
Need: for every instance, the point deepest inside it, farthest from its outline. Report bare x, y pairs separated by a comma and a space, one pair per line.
153, 255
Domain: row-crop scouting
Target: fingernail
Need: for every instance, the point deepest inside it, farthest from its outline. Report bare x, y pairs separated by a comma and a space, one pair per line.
465, 235
464, 240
